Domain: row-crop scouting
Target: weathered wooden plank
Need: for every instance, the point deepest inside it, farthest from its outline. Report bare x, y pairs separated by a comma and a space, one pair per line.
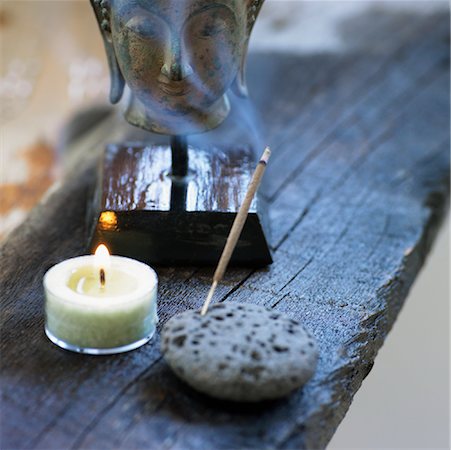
326, 81
347, 134
358, 190
360, 98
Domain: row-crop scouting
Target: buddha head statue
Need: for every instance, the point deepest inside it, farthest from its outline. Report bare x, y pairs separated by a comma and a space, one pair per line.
177, 57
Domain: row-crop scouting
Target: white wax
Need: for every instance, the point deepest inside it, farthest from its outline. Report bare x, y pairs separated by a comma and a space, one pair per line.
82, 315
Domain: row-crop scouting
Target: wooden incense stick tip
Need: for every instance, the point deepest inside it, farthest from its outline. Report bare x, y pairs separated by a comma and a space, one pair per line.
265, 157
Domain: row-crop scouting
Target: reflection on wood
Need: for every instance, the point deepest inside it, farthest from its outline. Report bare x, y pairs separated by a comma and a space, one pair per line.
165, 220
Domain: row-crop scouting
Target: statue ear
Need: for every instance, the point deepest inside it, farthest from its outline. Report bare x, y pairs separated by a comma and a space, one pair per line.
102, 12
116, 78
239, 86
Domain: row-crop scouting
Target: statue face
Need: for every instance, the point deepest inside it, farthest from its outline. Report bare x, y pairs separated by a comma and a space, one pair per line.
181, 55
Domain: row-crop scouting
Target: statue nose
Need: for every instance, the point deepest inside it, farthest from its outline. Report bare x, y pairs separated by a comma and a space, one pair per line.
176, 71
175, 68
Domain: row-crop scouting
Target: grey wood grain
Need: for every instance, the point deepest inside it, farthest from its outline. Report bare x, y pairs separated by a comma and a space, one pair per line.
358, 184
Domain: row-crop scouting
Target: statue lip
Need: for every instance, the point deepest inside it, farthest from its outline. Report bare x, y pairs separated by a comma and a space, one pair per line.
175, 88
176, 91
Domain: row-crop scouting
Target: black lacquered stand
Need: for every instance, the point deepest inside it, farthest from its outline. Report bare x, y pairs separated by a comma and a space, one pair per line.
175, 204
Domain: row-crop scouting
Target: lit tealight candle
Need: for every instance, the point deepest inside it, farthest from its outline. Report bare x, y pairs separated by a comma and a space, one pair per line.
100, 304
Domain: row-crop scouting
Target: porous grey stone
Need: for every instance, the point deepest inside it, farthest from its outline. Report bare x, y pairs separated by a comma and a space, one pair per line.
240, 352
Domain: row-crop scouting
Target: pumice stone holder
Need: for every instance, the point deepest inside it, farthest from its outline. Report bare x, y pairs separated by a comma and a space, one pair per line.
168, 192
238, 351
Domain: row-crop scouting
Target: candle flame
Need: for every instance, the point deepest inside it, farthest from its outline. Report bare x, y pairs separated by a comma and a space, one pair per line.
102, 251
102, 256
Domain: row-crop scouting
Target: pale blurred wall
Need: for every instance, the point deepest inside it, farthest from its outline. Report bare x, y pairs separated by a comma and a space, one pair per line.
51, 63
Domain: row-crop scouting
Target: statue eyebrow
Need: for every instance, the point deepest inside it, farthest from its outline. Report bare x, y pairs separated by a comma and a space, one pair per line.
130, 11
135, 9
211, 6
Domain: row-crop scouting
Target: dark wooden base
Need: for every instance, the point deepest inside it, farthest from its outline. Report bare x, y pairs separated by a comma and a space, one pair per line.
140, 210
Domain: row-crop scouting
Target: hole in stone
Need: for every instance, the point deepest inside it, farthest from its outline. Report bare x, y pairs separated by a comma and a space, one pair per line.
177, 329
219, 318
230, 314
279, 348
195, 342
212, 343
248, 338
310, 344
179, 340
255, 355
256, 325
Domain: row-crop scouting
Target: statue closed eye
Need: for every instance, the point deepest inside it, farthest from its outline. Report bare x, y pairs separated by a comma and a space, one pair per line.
179, 58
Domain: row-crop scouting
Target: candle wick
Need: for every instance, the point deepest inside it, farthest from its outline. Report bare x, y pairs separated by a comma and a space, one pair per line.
102, 277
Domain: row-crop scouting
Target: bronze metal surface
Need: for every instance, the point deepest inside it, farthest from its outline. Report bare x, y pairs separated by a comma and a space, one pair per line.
178, 58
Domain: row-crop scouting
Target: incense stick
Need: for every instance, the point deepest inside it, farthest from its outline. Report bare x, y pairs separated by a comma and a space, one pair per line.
237, 227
